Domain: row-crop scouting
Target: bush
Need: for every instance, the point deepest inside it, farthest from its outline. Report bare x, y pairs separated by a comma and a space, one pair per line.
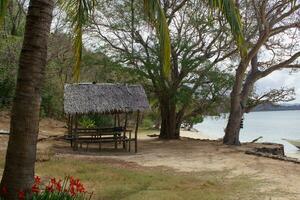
103, 120
92, 121
87, 122
147, 123
9, 53
67, 189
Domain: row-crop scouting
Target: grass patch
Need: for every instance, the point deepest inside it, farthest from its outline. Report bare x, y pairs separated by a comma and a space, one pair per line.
114, 182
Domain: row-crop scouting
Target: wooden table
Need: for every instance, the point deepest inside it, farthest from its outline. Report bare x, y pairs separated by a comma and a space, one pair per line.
116, 135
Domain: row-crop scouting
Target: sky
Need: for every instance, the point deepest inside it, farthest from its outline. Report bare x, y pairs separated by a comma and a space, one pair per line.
280, 79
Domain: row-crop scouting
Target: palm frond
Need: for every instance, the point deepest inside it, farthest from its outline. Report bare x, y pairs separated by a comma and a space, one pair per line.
78, 12
3, 8
232, 15
157, 19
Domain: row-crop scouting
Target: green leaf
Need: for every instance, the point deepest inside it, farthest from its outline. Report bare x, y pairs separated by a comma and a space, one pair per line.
232, 15
3, 7
157, 19
78, 12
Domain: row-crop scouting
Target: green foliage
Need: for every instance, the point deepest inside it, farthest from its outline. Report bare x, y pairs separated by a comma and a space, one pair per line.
9, 53
87, 122
52, 100
92, 121
103, 120
232, 14
7, 85
55, 196
147, 123
3, 8
157, 18
188, 123
78, 13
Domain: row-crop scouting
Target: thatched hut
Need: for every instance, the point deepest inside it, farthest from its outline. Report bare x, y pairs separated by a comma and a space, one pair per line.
113, 99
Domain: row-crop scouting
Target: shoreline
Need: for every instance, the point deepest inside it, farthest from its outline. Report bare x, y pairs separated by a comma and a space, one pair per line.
203, 136
195, 135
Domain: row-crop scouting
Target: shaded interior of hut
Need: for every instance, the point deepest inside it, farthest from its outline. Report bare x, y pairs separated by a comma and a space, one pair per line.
111, 131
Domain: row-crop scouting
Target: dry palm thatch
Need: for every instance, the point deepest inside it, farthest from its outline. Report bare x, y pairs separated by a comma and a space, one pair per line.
85, 98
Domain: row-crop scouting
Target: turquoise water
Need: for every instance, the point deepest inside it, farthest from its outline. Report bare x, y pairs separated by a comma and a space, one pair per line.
272, 126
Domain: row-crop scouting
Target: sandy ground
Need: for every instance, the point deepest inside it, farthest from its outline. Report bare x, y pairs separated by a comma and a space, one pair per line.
280, 179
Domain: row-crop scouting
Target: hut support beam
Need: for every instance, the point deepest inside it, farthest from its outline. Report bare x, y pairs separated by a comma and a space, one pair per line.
68, 124
124, 133
70, 128
136, 130
75, 135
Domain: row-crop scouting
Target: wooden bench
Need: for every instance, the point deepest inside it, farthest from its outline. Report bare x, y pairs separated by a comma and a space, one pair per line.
116, 135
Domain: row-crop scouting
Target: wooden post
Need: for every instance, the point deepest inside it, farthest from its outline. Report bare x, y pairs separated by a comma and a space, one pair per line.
136, 129
129, 148
115, 122
116, 140
118, 116
68, 124
124, 133
100, 140
72, 120
75, 138
115, 137
71, 130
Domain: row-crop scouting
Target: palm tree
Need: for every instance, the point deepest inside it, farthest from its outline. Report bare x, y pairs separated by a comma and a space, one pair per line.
21, 151
19, 168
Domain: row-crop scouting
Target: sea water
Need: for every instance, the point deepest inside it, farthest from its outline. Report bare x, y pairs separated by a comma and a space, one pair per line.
273, 126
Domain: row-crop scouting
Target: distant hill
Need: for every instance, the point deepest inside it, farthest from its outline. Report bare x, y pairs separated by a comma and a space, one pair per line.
276, 107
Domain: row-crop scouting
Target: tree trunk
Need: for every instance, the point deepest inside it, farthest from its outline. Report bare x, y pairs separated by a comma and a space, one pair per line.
168, 129
19, 168
239, 96
232, 130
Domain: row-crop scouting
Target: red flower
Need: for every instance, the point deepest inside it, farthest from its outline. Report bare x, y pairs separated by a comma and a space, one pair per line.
53, 180
35, 188
49, 188
76, 186
4, 190
58, 186
80, 188
21, 195
72, 180
72, 190
37, 180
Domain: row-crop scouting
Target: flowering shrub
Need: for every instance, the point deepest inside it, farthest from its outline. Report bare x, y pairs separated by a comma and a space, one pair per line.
67, 189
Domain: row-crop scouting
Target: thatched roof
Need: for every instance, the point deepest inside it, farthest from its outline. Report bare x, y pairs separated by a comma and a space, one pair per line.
84, 98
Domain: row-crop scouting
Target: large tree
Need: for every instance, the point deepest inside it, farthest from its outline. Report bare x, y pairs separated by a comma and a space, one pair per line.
198, 44
21, 152
272, 30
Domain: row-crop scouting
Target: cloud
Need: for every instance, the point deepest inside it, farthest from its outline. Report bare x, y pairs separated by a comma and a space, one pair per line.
280, 79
